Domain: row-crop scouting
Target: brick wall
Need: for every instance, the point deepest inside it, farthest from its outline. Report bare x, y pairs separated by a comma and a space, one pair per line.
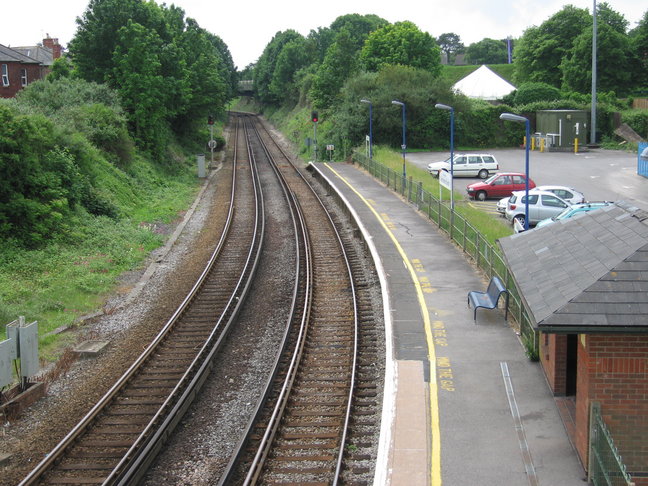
553, 356
613, 370
15, 84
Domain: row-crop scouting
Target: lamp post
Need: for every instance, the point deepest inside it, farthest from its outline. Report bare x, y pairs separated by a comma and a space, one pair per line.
404, 145
451, 110
521, 119
370, 127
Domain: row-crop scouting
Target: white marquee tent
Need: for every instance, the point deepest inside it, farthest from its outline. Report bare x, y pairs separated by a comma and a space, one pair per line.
484, 84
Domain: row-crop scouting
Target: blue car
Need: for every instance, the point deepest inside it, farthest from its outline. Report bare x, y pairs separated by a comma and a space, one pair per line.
572, 210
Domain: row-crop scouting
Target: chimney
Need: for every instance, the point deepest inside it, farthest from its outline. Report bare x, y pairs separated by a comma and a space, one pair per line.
54, 45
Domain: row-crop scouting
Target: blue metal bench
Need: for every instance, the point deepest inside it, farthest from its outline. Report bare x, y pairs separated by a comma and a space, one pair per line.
490, 298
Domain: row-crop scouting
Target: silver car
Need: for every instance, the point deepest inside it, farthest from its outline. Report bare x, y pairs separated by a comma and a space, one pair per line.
467, 165
542, 205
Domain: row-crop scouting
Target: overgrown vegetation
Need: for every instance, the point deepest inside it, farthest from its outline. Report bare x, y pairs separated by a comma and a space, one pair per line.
97, 161
331, 70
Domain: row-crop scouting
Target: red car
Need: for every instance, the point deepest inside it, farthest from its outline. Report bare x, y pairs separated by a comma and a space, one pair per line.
498, 185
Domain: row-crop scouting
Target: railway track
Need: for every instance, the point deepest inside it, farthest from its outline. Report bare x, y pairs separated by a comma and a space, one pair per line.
304, 430
299, 433
118, 438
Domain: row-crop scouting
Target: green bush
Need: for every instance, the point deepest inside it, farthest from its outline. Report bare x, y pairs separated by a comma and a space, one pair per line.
532, 92
637, 120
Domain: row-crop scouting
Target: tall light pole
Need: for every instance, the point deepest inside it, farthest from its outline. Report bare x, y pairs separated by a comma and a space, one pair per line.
451, 110
593, 121
370, 127
521, 119
404, 145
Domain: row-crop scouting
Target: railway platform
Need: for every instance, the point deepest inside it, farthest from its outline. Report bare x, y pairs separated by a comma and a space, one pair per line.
463, 404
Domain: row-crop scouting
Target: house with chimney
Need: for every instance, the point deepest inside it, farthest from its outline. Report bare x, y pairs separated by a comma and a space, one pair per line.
20, 66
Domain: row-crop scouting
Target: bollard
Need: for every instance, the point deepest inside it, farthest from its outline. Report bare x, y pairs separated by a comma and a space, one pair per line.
200, 159
575, 145
542, 144
532, 143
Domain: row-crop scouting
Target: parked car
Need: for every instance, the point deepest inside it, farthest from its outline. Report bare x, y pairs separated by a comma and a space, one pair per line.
542, 205
467, 165
574, 210
499, 185
501, 206
571, 195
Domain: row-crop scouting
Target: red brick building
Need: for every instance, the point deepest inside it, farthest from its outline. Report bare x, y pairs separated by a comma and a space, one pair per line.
20, 66
585, 283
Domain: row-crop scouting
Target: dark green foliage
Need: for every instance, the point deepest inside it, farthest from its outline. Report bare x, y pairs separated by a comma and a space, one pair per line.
639, 40
616, 62
530, 92
487, 51
450, 43
417, 88
637, 120
268, 89
39, 182
540, 50
168, 71
78, 106
403, 44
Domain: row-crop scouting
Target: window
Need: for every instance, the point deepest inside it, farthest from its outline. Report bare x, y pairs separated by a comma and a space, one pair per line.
460, 160
533, 199
474, 159
518, 180
23, 77
5, 75
488, 158
501, 181
552, 201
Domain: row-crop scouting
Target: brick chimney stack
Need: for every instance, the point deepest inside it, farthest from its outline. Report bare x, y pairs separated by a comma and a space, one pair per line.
54, 45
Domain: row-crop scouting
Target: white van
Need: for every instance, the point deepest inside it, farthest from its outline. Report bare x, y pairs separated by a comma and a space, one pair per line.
467, 165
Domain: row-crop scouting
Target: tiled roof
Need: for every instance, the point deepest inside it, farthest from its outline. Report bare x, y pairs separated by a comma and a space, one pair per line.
40, 53
9, 55
586, 272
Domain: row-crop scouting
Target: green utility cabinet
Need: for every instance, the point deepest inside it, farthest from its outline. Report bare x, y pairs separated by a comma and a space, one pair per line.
563, 130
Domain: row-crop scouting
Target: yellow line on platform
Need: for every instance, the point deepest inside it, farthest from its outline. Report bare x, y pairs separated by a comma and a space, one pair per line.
435, 463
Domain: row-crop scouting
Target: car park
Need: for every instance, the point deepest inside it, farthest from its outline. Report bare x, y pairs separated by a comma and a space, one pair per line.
573, 211
467, 165
499, 185
542, 205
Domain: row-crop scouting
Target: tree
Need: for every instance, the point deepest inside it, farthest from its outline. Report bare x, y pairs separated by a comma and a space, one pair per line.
616, 62
451, 45
419, 89
340, 62
403, 44
291, 59
639, 40
540, 50
265, 67
606, 15
487, 51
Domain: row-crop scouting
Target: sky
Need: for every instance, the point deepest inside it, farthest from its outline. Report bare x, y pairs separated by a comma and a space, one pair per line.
246, 26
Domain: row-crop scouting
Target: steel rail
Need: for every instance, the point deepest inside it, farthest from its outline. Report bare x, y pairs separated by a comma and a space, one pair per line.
257, 464
73, 436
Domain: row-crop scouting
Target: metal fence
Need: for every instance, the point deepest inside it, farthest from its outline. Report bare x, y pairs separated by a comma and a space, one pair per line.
486, 256
606, 466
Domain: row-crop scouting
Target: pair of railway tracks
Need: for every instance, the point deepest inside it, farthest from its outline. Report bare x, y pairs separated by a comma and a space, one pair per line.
300, 426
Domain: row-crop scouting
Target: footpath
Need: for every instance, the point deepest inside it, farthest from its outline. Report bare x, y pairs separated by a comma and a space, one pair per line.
463, 403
